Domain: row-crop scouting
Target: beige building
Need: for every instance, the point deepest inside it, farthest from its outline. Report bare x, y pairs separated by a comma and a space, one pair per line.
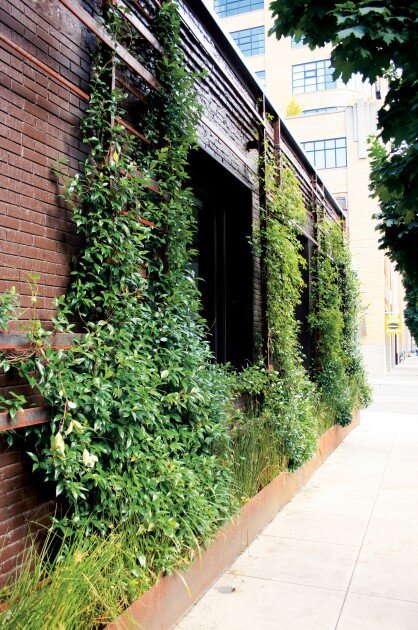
332, 122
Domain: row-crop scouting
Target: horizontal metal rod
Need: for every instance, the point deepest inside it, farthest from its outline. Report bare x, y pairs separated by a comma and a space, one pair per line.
21, 341
128, 86
52, 73
139, 26
24, 418
142, 11
102, 34
132, 130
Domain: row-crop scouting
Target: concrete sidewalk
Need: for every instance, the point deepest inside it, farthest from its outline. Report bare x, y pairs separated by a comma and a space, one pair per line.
344, 552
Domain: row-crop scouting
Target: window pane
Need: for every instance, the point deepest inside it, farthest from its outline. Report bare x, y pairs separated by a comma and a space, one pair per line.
327, 153
225, 8
319, 161
250, 40
312, 76
341, 157
330, 159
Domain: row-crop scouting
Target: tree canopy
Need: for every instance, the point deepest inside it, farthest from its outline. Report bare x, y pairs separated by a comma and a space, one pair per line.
377, 38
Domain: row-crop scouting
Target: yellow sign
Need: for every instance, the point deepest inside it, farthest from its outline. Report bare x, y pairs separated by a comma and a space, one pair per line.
393, 324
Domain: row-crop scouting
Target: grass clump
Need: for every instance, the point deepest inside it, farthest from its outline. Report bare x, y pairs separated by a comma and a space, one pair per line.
89, 580
257, 458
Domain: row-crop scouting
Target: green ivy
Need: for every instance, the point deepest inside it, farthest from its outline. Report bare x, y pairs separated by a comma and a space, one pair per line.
291, 396
139, 432
9, 302
283, 422
339, 371
140, 410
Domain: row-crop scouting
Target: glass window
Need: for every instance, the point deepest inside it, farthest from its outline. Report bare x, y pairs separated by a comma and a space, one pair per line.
298, 44
329, 153
250, 41
342, 202
223, 259
319, 110
313, 76
225, 8
261, 76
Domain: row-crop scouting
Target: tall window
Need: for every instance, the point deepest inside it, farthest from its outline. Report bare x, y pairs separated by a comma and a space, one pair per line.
250, 41
225, 8
261, 76
331, 153
223, 262
312, 76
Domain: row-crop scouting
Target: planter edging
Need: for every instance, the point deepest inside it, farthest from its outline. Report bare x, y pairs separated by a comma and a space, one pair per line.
163, 605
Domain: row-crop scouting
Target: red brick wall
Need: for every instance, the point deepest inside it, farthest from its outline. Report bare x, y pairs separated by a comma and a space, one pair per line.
39, 123
25, 505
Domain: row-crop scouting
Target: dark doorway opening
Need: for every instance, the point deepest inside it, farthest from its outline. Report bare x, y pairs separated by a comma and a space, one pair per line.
224, 265
302, 309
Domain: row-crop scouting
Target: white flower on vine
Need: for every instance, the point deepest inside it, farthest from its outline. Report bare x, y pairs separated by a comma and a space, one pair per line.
88, 459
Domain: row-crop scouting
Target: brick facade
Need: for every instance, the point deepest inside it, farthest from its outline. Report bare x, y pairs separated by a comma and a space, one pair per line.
40, 124
25, 506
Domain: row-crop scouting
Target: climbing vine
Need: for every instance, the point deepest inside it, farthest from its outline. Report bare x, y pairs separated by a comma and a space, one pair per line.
281, 428
291, 397
139, 446
339, 371
138, 431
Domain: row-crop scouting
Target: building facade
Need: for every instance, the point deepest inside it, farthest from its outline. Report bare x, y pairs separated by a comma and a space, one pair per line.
45, 52
332, 122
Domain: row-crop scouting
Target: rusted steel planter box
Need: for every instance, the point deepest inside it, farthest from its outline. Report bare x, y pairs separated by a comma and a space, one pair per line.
163, 605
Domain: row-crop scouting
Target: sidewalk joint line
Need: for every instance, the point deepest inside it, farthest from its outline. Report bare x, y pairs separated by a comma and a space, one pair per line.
276, 581
395, 599
366, 530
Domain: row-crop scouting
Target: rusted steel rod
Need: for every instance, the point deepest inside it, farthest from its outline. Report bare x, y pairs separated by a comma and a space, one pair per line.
102, 34
132, 130
128, 86
141, 10
151, 184
139, 26
52, 73
21, 341
24, 418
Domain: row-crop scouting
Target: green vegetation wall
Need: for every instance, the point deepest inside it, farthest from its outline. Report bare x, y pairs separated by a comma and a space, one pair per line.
145, 447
